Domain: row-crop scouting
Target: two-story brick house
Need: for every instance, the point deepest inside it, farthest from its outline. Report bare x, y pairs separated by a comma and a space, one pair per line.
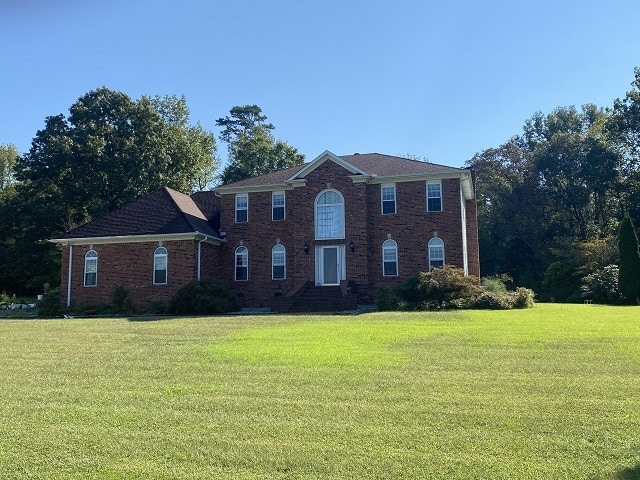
322, 235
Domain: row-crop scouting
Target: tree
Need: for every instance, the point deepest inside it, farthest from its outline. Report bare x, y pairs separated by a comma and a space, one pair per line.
252, 148
107, 152
629, 272
8, 156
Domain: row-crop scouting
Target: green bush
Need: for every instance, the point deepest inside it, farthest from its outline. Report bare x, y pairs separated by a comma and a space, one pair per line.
447, 287
602, 286
204, 297
562, 281
50, 305
122, 301
157, 307
387, 300
524, 298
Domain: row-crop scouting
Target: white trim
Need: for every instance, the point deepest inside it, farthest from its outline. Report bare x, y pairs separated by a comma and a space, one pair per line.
94, 258
441, 243
139, 239
284, 205
199, 257
395, 198
157, 255
463, 215
426, 189
69, 279
319, 160
235, 263
284, 277
341, 234
341, 266
395, 247
246, 209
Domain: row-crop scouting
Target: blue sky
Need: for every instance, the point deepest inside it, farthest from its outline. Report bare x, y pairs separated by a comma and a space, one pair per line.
438, 80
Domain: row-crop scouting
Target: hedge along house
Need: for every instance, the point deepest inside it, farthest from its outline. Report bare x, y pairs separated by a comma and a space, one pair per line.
319, 236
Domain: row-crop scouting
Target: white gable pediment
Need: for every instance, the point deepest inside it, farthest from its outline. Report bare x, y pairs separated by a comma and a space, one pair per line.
319, 160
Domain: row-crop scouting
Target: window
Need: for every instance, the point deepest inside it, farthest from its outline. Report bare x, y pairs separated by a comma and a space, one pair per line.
160, 266
436, 253
91, 268
434, 196
329, 215
278, 262
242, 263
389, 258
242, 208
277, 206
388, 194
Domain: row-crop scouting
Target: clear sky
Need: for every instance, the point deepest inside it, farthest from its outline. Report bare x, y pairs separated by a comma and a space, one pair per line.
438, 80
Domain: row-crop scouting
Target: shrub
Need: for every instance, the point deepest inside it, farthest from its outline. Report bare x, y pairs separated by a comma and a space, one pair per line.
408, 292
524, 298
602, 286
493, 300
203, 297
447, 287
157, 307
496, 283
562, 281
122, 301
387, 299
50, 305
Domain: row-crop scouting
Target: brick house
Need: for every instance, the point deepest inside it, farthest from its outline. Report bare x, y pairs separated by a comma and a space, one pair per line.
324, 235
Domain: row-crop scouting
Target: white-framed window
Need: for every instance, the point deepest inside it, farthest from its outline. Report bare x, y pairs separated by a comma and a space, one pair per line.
388, 195
242, 263
242, 207
278, 262
329, 215
91, 268
277, 206
160, 256
436, 253
389, 258
434, 196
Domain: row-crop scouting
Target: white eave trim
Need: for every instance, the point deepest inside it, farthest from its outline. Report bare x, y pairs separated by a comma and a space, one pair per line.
319, 160
140, 239
261, 188
466, 184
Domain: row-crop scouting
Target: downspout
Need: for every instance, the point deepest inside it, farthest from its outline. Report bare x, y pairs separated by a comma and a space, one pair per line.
199, 256
69, 276
463, 216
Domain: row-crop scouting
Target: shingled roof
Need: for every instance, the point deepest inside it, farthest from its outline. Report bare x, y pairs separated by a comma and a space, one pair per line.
162, 212
369, 164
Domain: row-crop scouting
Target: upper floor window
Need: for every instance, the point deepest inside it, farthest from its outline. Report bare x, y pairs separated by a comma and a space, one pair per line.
278, 262
388, 194
160, 266
389, 258
242, 263
329, 215
434, 196
242, 207
436, 253
277, 206
91, 268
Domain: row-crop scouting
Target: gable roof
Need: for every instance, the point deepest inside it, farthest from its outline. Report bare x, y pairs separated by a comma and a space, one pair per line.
164, 212
371, 167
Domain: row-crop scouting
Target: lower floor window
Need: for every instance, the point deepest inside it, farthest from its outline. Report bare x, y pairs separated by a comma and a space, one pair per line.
278, 262
436, 253
160, 266
242, 263
91, 268
389, 258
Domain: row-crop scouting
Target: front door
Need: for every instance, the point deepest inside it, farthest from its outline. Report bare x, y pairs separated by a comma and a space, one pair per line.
329, 265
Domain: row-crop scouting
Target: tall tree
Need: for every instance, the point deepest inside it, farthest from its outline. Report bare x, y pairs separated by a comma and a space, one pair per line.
629, 272
8, 157
252, 148
108, 151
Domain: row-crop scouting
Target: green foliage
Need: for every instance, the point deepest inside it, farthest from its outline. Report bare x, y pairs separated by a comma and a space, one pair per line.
496, 283
629, 270
122, 301
447, 287
203, 297
387, 299
5, 298
8, 157
252, 148
50, 305
157, 307
562, 281
601, 286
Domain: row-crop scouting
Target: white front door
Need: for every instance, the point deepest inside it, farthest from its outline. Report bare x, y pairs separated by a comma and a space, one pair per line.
330, 265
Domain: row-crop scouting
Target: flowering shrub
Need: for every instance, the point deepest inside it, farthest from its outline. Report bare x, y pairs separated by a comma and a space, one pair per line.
602, 286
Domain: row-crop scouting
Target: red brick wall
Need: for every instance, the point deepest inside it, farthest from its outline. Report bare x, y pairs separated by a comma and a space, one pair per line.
130, 265
411, 227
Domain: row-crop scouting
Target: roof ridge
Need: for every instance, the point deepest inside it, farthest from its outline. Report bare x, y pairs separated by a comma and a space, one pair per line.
407, 159
186, 215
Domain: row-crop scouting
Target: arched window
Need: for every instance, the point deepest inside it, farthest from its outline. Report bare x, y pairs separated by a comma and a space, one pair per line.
389, 258
278, 262
329, 215
242, 263
436, 253
160, 266
91, 268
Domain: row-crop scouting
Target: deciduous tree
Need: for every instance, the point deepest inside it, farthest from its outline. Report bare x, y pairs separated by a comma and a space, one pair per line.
629, 272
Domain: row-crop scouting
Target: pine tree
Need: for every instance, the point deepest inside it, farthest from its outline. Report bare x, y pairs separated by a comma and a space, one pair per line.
629, 273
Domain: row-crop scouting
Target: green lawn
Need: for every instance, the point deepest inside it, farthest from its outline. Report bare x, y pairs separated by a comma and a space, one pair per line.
546, 393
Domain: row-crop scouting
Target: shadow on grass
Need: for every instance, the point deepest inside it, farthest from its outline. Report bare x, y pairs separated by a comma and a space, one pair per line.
630, 473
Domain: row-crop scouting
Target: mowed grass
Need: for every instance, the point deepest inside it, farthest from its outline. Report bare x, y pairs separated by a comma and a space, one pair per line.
546, 393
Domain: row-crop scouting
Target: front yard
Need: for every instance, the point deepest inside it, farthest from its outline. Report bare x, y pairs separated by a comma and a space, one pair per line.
549, 392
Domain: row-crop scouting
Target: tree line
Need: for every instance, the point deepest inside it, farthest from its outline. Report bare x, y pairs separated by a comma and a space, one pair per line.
551, 199
109, 150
